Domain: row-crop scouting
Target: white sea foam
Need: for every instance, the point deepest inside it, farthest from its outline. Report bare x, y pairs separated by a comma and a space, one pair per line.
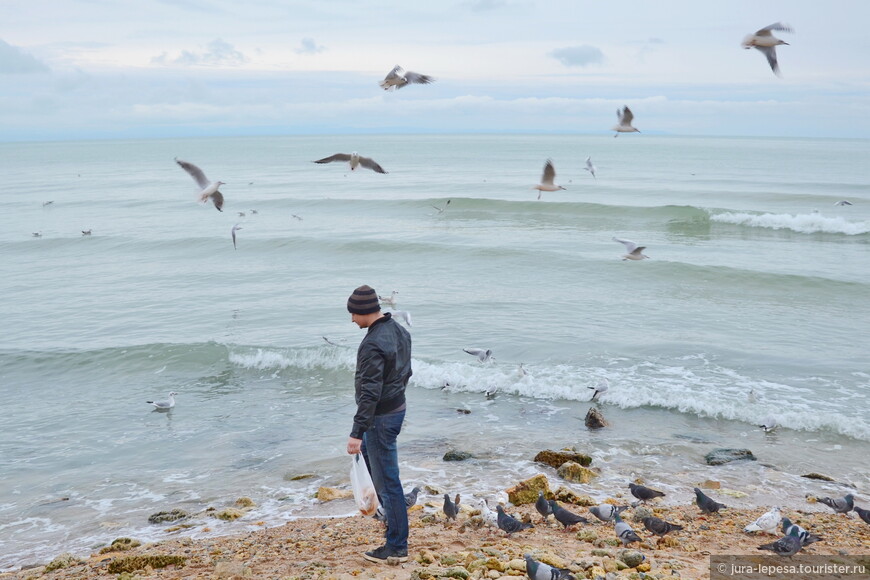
808, 223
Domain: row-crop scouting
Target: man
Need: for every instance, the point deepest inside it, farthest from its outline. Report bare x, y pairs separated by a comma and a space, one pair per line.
383, 367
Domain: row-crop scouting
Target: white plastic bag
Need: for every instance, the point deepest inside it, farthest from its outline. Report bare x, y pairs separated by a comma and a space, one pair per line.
363, 489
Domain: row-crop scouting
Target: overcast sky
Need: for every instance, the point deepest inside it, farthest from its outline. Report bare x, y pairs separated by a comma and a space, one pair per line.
73, 69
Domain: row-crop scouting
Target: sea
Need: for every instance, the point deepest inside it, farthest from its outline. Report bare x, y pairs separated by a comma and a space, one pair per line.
754, 304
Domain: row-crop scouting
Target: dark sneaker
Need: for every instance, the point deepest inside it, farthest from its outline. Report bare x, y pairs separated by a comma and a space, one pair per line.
386, 555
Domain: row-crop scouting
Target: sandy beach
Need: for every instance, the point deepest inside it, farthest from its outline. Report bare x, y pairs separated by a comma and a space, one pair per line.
331, 548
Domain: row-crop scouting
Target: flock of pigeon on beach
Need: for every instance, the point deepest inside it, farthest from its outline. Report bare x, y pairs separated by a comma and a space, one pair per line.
793, 538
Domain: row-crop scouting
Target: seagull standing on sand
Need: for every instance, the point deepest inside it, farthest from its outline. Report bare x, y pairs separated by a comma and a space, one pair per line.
233, 234
625, 117
355, 160
547, 179
589, 167
632, 250
766, 42
398, 78
164, 405
208, 188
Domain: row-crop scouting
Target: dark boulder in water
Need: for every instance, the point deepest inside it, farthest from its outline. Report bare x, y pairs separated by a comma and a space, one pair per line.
170, 516
722, 456
555, 459
594, 419
454, 455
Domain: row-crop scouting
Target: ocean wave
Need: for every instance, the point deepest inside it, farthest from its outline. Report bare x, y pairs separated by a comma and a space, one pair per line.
810, 223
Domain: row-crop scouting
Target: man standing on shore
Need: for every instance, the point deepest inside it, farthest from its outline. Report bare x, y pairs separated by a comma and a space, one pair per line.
383, 367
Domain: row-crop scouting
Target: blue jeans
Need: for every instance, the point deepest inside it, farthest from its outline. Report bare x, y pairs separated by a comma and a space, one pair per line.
382, 456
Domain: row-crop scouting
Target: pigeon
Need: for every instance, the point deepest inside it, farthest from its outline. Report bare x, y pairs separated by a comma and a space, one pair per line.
589, 167
843, 202
233, 231
624, 532
389, 300
766, 42
659, 526
208, 188
547, 179
707, 504
398, 78
481, 354
790, 529
769, 425
539, 571
543, 506
509, 523
767, 523
625, 117
602, 387
606, 512
355, 160
490, 518
863, 514
410, 499
632, 250
451, 508
565, 517
785, 546
402, 315
644, 493
841, 505
168, 404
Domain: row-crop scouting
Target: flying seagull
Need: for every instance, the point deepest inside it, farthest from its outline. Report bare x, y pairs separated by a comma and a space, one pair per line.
843, 202
483, 355
632, 250
208, 188
355, 160
625, 117
441, 209
398, 78
547, 179
589, 167
602, 387
389, 300
766, 42
233, 234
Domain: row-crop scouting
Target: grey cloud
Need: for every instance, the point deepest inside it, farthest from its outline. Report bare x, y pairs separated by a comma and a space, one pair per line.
309, 47
220, 52
578, 55
13, 60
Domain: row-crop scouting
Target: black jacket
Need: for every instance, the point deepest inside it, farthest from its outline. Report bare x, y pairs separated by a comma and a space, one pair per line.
383, 367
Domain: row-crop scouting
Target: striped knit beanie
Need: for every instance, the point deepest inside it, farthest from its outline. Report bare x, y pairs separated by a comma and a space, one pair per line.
364, 300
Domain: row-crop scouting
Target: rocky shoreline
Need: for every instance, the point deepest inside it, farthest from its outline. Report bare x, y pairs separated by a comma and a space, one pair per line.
331, 548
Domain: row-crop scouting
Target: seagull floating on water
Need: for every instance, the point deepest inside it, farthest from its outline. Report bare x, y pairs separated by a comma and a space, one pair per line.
766, 42
589, 167
547, 179
632, 250
37, 234
625, 117
208, 188
168, 404
233, 234
355, 160
769, 425
396, 79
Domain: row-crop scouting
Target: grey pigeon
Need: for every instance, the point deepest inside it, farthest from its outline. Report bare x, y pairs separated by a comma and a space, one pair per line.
451, 508
509, 523
543, 506
806, 538
644, 493
841, 505
540, 571
410, 499
785, 546
707, 504
565, 517
606, 512
659, 526
624, 532
863, 514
